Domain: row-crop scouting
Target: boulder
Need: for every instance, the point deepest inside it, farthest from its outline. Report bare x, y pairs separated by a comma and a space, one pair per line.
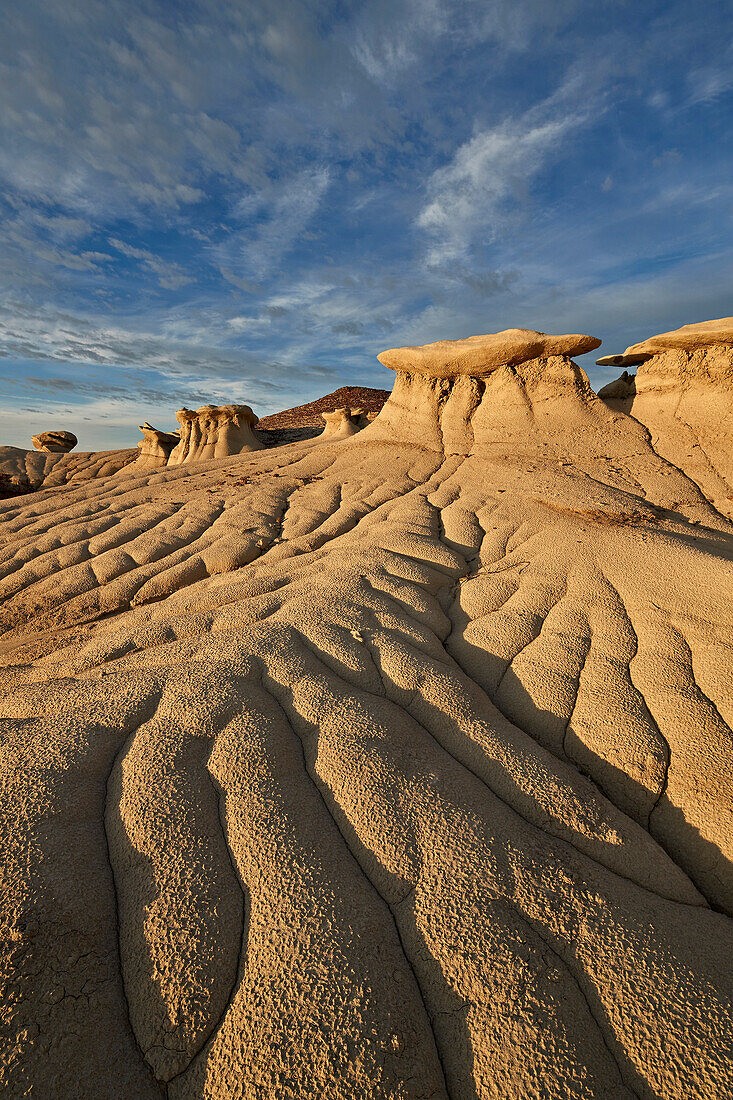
479, 356
214, 431
55, 442
621, 360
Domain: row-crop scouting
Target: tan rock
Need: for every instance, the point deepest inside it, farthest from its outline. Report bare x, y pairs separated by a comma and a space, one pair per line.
214, 431
620, 360
622, 387
702, 334
155, 446
478, 356
55, 442
341, 423
685, 399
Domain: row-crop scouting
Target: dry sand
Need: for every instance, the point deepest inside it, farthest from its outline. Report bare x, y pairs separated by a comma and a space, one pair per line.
396, 764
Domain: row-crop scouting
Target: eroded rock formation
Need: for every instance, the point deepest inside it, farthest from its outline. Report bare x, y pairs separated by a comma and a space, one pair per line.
394, 767
341, 423
477, 356
214, 431
55, 442
683, 393
155, 447
32, 470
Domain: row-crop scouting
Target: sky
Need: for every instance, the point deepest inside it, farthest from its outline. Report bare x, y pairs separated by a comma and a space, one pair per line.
245, 201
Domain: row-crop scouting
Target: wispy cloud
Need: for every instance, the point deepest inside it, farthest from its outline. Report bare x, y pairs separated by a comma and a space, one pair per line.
489, 177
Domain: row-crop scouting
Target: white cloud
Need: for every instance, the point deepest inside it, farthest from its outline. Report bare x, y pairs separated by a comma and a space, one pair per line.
276, 220
468, 199
169, 275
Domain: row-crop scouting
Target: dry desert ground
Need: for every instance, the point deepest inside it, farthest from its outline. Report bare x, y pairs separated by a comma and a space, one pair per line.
393, 762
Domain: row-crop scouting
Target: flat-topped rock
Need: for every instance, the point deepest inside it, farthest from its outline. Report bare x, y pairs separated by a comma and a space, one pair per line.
478, 356
702, 334
621, 360
55, 442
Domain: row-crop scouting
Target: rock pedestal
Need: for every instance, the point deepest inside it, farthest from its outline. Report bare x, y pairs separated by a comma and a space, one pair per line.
214, 431
155, 446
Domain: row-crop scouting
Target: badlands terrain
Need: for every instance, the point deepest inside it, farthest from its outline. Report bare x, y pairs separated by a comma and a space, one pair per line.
392, 762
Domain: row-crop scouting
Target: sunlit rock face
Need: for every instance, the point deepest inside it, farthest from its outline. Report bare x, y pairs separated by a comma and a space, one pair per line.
341, 423
56, 442
478, 356
388, 766
214, 431
683, 393
155, 447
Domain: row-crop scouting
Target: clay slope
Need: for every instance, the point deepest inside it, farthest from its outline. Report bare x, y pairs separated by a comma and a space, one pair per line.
397, 766
29, 470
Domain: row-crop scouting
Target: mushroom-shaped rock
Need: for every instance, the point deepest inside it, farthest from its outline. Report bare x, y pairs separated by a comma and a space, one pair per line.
54, 443
479, 356
683, 394
214, 431
620, 388
340, 424
155, 446
702, 334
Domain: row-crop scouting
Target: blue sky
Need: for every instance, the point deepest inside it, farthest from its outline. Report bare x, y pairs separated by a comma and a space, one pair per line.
247, 201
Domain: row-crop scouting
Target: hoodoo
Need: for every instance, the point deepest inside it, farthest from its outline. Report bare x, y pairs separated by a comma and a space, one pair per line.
214, 431
683, 393
478, 356
340, 424
155, 447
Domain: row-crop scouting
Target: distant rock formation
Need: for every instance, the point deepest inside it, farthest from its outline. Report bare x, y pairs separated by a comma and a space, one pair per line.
683, 393
24, 471
214, 431
55, 442
309, 415
478, 356
155, 446
342, 423
622, 387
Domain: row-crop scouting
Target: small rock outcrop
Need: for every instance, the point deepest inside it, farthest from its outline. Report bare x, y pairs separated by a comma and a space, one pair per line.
342, 423
620, 360
155, 446
55, 442
479, 356
214, 431
620, 388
